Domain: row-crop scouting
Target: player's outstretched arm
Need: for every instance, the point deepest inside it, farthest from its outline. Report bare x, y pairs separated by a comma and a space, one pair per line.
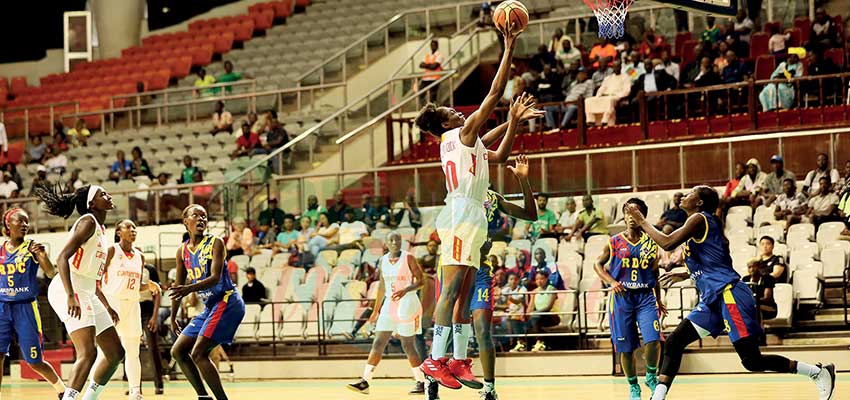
521, 106
529, 211
694, 227
473, 124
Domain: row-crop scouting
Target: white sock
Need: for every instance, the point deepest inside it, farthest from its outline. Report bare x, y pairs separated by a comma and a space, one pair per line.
462, 332
440, 341
804, 369
59, 386
132, 363
134, 391
660, 392
418, 375
489, 387
70, 394
93, 391
367, 372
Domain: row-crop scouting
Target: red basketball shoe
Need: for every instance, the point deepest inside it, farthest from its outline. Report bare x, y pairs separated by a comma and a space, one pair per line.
439, 371
462, 370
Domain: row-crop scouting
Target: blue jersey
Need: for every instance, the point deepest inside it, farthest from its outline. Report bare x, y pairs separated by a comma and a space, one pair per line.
494, 220
198, 265
708, 261
631, 263
18, 269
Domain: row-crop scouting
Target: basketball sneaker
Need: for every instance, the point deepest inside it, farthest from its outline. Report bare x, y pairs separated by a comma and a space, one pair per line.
539, 346
361, 386
520, 346
651, 381
438, 370
418, 388
462, 370
491, 395
432, 389
634, 392
825, 381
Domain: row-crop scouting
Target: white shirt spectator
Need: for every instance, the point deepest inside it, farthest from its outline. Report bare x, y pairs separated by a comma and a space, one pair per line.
822, 204
568, 219
225, 119
57, 163
743, 25
6, 188
4, 140
793, 204
349, 232
813, 177
672, 69
749, 184
516, 296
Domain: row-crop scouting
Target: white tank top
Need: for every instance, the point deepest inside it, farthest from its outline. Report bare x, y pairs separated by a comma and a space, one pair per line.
396, 276
123, 275
90, 258
466, 168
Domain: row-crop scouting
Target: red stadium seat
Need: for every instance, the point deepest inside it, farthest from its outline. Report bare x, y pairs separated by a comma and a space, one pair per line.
18, 85
776, 24
283, 8
302, 3
765, 66
263, 19
804, 24
223, 43
796, 37
689, 49
244, 31
681, 38
758, 44
837, 56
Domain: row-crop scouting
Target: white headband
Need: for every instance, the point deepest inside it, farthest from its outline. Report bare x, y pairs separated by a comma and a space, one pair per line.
92, 192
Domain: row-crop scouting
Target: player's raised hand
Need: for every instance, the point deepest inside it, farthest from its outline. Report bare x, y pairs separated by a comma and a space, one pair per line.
521, 168
521, 105
36, 248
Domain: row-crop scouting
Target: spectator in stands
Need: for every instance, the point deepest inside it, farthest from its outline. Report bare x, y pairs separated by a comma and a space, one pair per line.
55, 161
351, 232
580, 89
338, 210
751, 183
762, 286
512, 87
741, 48
35, 150
168, 199
324, 234
241, 239
513, 294
824, 30
651, 45
139, 166
222, 120
602, 49
428, 261
12, 169
790, 204
634, 68
204, 80
60, 142
841, 186
826, 88
543, 303
810, 183
120, 167
273, 215
670, 67
540, 265
377, 215
769, 263
7, 186
773, 181
568, 54
733, 183
781, 95
720, 61
79, 133
287, 238
743, 26
253, 291
706, 75
276, 136
248, 144
823, 206
605, 70
305, 229
313, 209
40, 180
188, 172
409, 215
4, 140
546, 219
776, 43
230, 76
548, 90
736, 70
601, 109
655, 80
712, 33
591, 221
568, 217
433, 65
674, 217
558, 40
541, 59
522, 268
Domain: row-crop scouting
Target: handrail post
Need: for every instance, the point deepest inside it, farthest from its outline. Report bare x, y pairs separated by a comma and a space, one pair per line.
643, 114
580, 121
365, 54
27, 123
390, 141
427, 22
457, 18
751, 104
51, 114
165, 105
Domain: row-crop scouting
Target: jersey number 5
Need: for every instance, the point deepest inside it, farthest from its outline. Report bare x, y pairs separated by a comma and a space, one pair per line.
10, 280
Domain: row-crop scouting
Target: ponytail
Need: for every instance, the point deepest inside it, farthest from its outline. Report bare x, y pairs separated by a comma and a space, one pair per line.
60, 204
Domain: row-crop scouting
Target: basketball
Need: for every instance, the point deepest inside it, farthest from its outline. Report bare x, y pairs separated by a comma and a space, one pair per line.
511, 12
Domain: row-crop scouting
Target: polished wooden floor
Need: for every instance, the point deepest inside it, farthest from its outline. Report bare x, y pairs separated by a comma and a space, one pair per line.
695, 387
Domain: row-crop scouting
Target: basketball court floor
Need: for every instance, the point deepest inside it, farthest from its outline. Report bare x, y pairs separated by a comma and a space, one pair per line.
693, 387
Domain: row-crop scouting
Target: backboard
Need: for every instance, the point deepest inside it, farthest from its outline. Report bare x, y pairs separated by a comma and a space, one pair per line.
711, 7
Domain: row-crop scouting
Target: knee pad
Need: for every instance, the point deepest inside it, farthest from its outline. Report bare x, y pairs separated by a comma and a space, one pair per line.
753, 363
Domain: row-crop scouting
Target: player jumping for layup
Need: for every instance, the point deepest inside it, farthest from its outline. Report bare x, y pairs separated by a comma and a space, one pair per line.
461, 223
633, 277
725, 303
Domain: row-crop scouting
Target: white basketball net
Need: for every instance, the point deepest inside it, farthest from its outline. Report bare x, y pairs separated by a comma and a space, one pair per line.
611, 15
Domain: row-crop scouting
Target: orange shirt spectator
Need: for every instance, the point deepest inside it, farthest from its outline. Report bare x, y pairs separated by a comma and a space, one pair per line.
603, 49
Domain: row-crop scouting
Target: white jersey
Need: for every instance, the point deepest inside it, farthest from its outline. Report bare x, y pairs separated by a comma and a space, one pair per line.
466, 168
90, 258
397, 276
123, 275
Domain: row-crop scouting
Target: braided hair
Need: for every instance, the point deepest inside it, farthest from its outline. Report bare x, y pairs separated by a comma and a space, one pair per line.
62, 204
430, 120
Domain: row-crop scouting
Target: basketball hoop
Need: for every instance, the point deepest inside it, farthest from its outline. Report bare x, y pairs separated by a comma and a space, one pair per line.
611, 15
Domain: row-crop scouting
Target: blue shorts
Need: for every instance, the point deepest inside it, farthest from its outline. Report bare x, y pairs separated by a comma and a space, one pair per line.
218, 322
23, 319
627, 312
482, 290
734, 311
